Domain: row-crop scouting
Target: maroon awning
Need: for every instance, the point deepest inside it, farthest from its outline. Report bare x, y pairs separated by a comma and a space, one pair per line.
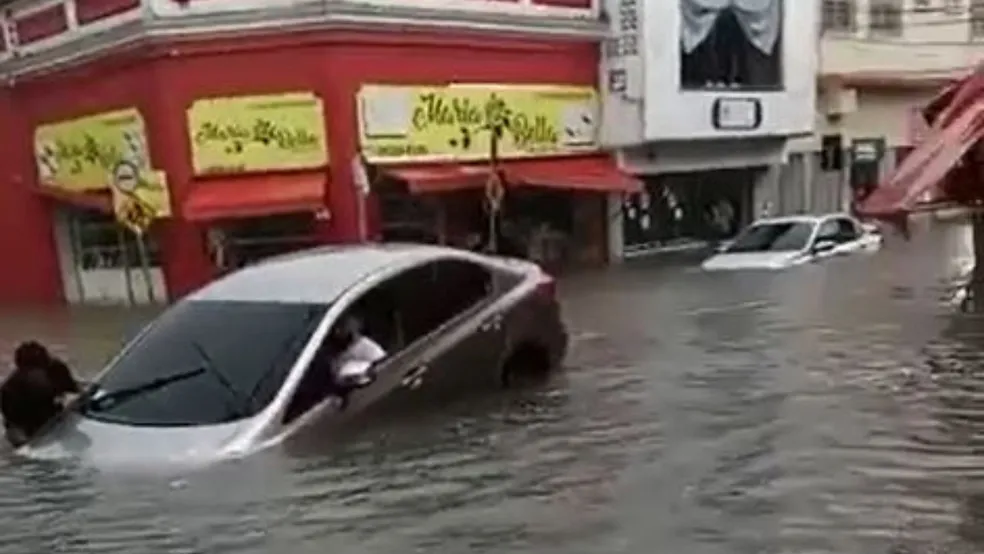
956, 132
245, 196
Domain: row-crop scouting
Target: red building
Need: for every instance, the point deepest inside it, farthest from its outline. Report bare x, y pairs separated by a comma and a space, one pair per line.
254, 120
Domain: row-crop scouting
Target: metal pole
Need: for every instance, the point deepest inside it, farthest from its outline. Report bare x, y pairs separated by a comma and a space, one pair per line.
145, 267
493, 207
363, 223
124, 254
976, 286
75, 236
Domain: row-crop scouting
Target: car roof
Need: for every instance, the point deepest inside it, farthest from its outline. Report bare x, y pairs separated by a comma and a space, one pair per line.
320, 275
800, 218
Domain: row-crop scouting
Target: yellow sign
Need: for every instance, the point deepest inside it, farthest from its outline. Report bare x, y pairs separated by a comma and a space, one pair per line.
140, 198
80, 155
257, 133
400, 123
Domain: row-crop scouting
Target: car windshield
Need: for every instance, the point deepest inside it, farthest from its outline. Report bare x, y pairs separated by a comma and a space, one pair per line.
787, 236
204, 363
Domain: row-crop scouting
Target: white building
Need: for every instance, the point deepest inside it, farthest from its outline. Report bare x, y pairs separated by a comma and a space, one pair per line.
702, 98
881, 61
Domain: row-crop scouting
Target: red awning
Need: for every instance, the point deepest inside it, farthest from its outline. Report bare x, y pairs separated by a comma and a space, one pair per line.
592, 173
435, 178
98, 200
926, 166
255, 196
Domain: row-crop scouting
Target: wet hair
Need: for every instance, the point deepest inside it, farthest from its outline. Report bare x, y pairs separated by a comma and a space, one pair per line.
31, 354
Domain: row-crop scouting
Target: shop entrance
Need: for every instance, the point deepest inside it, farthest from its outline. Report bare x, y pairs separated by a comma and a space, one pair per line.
234, 243
680, 211
101, 263
556, 228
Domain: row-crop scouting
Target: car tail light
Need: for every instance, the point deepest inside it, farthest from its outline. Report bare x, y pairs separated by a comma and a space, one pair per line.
547, 287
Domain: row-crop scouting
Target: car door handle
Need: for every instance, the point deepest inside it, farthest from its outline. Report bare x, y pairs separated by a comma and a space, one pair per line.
493, 323
413, 378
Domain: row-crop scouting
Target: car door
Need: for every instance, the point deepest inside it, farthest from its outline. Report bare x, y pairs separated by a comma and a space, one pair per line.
451, 340
467, 355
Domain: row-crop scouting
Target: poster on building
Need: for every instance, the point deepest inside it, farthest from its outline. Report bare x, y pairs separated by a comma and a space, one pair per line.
139, 198
80, 155
243, 134
450, 123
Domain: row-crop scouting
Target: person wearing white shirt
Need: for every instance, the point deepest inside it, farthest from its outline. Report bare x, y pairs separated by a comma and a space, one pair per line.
356, 354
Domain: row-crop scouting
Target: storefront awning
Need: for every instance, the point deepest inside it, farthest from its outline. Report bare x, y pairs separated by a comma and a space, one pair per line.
98, 200
436, 178
926, 166
592, 173
255, 196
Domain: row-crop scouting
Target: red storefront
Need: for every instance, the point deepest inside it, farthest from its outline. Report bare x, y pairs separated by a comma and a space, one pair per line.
162, 81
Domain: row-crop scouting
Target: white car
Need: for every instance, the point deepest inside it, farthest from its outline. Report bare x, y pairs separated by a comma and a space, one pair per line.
782, 242
246, 362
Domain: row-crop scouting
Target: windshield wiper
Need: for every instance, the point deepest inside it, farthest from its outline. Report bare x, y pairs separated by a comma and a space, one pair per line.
100, 400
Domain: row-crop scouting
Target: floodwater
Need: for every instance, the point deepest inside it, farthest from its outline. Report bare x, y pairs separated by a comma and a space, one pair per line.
836, 408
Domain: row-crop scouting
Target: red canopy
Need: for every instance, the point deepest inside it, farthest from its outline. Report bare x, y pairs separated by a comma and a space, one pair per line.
957, 119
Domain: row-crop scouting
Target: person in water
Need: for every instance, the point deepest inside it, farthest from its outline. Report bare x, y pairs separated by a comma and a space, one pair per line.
35, 392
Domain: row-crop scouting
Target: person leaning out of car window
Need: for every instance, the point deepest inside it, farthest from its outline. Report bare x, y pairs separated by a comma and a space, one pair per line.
35, 392
353, 353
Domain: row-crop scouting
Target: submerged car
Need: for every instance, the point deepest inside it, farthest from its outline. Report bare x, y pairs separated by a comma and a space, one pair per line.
782, 242
236, 367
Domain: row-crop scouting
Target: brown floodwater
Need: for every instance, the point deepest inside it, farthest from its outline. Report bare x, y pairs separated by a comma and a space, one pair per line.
834, 408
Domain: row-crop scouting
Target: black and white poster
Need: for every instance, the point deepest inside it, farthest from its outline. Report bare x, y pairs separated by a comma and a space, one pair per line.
731, 44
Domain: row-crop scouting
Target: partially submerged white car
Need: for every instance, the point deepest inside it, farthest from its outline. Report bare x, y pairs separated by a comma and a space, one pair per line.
245, 362
782, 242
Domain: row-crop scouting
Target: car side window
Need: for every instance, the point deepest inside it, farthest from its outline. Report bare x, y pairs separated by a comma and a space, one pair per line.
381, 314
828, 231
446, 289
847, 231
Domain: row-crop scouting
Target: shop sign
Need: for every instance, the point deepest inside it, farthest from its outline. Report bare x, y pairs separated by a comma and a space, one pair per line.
81, 154
257, 133
399, 123
139, 197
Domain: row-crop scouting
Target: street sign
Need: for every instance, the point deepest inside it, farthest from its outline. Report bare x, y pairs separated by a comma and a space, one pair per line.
129, 210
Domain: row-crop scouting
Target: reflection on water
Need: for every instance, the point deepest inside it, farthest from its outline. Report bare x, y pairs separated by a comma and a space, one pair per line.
835, 408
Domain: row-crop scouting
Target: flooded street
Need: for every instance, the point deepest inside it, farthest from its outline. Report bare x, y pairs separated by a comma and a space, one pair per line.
835, 408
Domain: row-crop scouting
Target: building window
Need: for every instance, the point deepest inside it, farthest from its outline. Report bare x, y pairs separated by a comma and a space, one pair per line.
922, 5
839, 16
728, 46
885, 18
977, 19
953, 7
100, 243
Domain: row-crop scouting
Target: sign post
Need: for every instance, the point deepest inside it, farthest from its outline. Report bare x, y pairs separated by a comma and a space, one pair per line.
134, 215
497, 120
360, 178
138, 200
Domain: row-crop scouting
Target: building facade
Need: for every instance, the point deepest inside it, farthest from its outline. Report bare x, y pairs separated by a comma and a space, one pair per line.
881, 61
278, 124
701, 98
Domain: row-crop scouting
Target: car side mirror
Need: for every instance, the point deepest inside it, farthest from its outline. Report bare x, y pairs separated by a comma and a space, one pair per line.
822, 246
